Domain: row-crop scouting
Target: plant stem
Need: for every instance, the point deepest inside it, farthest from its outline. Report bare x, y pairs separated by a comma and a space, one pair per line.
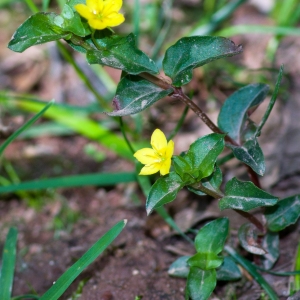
251, 219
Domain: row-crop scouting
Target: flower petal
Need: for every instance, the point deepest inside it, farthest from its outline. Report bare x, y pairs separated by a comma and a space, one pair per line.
95, 6
84, 11
170, 149
146, 156
114, 19
158, 141
112, 6
97, 23
165, 167
150, 169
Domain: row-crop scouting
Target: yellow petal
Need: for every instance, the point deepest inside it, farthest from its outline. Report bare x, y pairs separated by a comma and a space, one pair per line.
112, 6
84, 11
150, 169
165, 167
158, 141
95, 6
97, 23
146, 156
114, 19
170, 149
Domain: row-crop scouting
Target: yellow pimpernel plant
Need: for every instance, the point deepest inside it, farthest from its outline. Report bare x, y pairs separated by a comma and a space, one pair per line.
159, 157
101, 13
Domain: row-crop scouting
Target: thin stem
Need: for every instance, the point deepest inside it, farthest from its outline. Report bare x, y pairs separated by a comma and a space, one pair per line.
157, 81
179, 124
125, 135
202, 188
251, 219
32, 6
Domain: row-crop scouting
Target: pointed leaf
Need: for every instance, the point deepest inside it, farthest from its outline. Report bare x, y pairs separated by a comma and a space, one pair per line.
203, 154
180, 267
212, 182
38, 29
283, 214
135, 94
251, 154
164, 190
121, 53
189, 53
245, 196
228, 270
248, 239
212, 236
200, 284
271, 244
233, 112
205, 261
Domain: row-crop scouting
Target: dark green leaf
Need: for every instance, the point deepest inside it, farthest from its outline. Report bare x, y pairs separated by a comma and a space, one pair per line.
7, 267
271, 244
212, 236
205, 261
284, 213
135, 94
248, 239
121, 53
228, 270
70, 21
200, 284
164, 190
180, 267
192, 52
203, 154
211, 182
251, 154
233, 113
245, 196
183, 169
38, 29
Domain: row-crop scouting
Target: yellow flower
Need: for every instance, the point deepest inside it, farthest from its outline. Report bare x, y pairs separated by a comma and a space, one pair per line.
158, 158
101, 13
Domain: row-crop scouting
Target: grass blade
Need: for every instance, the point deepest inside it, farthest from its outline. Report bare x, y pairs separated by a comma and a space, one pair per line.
100, 179
69, 276
8, 264
24, 127
250, 268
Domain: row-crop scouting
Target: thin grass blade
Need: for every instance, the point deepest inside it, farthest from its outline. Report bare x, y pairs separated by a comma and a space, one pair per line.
8, 264
99, 179
70, 275
24, 127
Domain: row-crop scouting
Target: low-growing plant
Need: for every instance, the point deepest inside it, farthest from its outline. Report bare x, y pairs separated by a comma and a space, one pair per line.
86, 27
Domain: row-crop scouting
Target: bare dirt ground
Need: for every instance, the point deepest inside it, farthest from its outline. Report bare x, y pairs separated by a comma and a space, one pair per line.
68, 221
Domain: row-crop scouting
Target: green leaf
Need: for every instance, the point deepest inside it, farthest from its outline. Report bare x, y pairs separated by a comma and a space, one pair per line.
228, 270
180, 267
209, 242
203, 154
164, 190
189, 53
248, 239
72, 3
70, 21
8, 264
270, 242
134, 94
245, 196
212, 182
200, 284
11, 138
233, 113
251, 154
283, 214
64, 281
38, 29
212, 236
121, 53
183, 169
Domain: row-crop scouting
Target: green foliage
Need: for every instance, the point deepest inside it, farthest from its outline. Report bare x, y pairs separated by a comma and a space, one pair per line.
283, 214
121, 53
271, 244
134, 94
192, 52
245, 196
38, 29
233, 113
